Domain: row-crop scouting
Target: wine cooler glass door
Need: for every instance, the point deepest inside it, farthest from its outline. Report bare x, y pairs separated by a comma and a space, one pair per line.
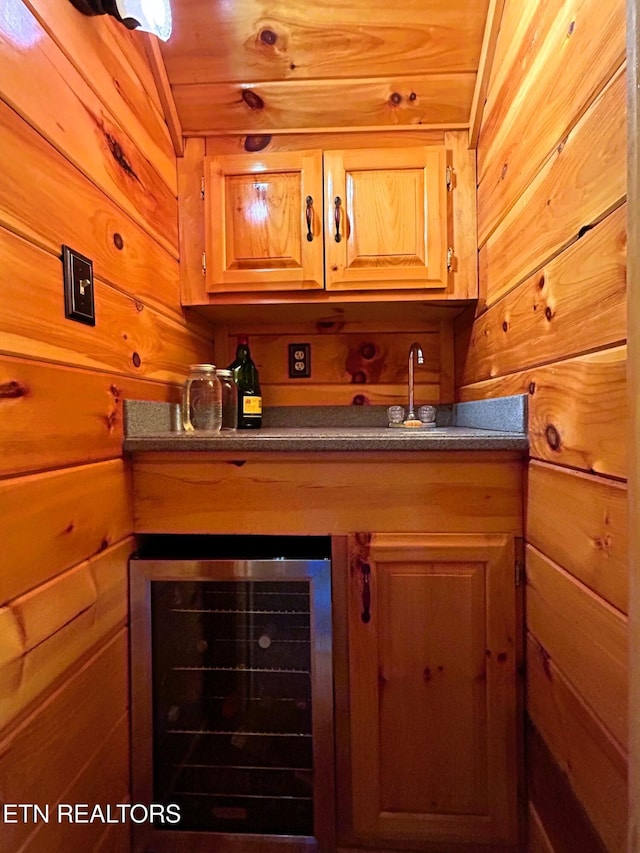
240, 681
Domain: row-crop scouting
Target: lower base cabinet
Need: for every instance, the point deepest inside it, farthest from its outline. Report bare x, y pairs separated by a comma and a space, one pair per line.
427, 753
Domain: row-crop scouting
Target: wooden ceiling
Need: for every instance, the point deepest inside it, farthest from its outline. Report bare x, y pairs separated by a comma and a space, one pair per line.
274, 66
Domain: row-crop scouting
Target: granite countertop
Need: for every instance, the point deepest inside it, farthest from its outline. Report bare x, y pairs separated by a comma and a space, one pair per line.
498, 424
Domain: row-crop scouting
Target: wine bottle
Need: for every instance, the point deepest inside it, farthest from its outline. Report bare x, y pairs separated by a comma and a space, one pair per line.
249, 395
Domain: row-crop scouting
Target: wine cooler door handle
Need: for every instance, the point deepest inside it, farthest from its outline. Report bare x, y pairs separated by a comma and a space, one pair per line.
336, 214
366, 593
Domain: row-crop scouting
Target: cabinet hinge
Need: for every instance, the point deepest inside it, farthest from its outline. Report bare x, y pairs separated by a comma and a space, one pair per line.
202, 188
449, 259
519, 572
204, 263
449, 178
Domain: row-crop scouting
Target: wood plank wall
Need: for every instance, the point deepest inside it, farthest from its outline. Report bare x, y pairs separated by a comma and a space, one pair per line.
87, 162
552, 324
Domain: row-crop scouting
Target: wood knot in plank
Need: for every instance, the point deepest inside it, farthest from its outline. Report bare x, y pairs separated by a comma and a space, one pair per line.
532, 388
505, 326
268, 37
367, 351
118, 242
360, 400
118, 155
553, 437
256, 143
135, 358
252, 99
395, 98
603, 543
111, 420
12, 390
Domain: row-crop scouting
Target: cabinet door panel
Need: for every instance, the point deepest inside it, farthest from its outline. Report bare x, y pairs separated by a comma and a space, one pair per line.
432, 680
256, 222
389, 210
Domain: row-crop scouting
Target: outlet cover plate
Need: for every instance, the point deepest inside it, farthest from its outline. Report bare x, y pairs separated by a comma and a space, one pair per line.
79, 302
299, 361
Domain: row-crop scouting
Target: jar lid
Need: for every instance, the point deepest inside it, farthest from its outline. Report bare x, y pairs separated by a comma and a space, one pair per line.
203, 368
226, 374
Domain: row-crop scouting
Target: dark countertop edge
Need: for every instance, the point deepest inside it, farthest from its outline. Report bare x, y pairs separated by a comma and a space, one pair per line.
455, 439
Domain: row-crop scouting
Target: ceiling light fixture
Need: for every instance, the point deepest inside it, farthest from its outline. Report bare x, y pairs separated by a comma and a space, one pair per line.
152, 16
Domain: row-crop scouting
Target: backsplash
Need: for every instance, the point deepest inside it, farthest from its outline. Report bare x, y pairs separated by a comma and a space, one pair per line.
352, 364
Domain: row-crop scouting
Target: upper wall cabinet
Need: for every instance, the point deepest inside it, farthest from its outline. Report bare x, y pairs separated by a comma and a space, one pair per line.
328, 225
384, 214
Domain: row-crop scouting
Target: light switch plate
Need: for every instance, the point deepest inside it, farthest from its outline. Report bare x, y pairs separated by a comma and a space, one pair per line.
79, 302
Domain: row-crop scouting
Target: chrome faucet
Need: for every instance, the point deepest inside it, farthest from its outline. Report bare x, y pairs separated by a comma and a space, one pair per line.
416, 349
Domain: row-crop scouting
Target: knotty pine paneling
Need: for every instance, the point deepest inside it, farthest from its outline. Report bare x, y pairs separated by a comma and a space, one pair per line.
52, 203
577, 409
46, 89
560, 816
87, 162
60, 622
128, 338
104, 56
359, 364
437, 37
440, 100
53, 520
404, 138
593, 654
580, 522
551, 323
593, 762
104, 780
40, 759
31, 393
582, 48
575, 188
576, 303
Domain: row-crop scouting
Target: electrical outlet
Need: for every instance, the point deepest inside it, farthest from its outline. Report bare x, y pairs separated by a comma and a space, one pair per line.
79, 303
299, 361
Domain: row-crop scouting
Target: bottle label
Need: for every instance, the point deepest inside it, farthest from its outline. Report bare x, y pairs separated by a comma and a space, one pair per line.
252, 405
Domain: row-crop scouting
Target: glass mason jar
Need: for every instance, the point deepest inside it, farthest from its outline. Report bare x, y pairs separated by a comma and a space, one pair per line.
202, 400
229, 399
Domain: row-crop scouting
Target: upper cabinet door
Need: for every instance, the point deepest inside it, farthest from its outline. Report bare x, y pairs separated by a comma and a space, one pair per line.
264, 222
386, 219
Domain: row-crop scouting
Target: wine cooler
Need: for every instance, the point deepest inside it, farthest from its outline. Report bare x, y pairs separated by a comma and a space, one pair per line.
232, 697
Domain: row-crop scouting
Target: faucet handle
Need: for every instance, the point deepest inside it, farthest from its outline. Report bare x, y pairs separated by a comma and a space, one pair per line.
395, 414
427, 414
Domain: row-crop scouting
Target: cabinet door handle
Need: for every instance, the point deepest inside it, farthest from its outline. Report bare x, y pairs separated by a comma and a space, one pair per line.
337, 202
366, 593
309, 218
